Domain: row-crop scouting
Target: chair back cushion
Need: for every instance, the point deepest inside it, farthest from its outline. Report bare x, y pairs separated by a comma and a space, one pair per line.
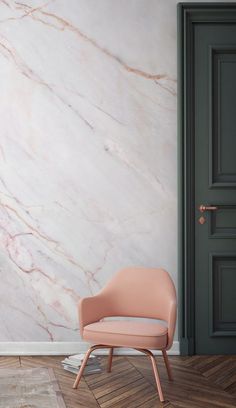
140, 292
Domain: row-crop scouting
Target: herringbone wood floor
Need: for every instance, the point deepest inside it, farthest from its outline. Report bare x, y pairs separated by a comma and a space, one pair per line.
199, 382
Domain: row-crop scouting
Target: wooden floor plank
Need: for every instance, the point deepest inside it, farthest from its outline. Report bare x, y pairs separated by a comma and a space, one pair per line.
131, 395
189, 389
219, 370
199, 382
9, 362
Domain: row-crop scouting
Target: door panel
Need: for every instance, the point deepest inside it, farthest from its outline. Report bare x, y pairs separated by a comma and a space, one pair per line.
223, 222
222, 299
215, 185
223, 124
207, 160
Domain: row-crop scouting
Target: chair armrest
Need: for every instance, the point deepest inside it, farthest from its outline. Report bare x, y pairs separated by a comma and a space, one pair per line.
92, 309
171, 323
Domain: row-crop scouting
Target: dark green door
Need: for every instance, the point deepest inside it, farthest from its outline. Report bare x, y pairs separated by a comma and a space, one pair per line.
214, 127
207, 182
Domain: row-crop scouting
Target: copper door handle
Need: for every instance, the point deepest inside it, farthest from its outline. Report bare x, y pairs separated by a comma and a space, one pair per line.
203, 208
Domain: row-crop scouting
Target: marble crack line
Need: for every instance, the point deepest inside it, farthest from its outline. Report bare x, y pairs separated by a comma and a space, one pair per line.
90, 275
166, 88
37, 234
5, 3
33, 10
62, 326
120, 155
155, 102
57, 248
24, 313
69, 26
20, 203
47, 330
12, 237
49, 322
36, 231
92, 278
87, 123
34, 269
83, 97
106, 254
108, 114
63, 24
9, 53
44, 316
19, 6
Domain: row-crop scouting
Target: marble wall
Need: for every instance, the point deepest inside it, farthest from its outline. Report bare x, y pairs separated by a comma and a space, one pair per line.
88, 154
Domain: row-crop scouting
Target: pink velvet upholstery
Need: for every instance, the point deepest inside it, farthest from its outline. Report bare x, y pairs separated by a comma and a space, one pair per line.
132, 292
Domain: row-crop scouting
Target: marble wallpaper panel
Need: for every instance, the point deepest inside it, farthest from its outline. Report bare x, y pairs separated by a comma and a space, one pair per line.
88, 156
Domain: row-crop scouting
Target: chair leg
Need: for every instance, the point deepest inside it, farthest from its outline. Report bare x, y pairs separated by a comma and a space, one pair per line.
167, 363
110, 360
155, 370
145, 351
157, 377
79, 375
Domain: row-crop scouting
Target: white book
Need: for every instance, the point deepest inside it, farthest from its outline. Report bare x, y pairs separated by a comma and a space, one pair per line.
87, 370
71, 363
89, 367
77, 363
79, 357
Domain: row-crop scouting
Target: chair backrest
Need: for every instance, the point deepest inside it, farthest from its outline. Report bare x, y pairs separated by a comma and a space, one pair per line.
143, 292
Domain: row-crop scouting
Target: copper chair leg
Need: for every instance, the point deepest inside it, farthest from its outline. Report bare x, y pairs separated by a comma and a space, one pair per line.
79, 375
145, 351
155, 370
167, 364
110, 360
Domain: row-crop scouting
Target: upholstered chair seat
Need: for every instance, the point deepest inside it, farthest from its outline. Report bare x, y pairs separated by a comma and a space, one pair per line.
127, 334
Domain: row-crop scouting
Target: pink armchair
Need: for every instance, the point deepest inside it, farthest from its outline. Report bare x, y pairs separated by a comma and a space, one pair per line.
132, 292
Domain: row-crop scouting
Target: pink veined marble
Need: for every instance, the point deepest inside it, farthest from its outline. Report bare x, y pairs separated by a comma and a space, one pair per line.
87, 155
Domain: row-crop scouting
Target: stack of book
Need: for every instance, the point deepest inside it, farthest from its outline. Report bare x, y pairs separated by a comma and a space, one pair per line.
73, 363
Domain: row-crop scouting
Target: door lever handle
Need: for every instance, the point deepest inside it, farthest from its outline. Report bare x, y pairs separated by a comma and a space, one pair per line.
203, 208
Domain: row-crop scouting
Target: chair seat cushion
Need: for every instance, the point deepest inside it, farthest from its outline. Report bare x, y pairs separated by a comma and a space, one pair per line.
127, 334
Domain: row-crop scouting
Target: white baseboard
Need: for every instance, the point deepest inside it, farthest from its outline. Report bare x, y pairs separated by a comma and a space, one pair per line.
63, 348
